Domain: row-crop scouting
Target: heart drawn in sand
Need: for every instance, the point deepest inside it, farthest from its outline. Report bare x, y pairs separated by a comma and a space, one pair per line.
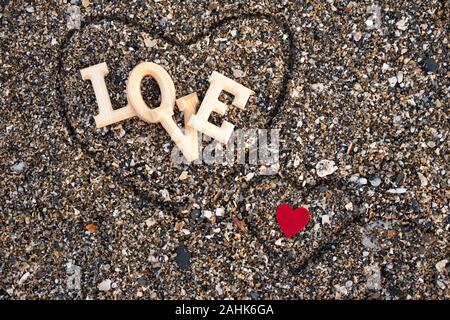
290, 220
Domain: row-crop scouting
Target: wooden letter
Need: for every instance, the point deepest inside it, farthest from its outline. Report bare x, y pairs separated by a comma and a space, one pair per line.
187, 143
106, 115
210, 103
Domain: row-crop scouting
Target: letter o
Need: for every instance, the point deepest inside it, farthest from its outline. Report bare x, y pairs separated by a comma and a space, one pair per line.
166, 87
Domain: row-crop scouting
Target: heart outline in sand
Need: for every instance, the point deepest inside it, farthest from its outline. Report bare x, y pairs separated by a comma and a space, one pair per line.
154, 202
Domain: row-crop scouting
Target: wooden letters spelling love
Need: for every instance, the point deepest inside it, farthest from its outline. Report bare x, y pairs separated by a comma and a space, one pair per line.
187, 142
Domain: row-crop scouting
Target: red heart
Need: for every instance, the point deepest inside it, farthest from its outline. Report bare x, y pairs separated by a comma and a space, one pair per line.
290, 220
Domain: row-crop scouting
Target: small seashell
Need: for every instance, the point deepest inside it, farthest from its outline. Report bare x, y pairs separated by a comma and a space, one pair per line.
105, 285
325, 168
